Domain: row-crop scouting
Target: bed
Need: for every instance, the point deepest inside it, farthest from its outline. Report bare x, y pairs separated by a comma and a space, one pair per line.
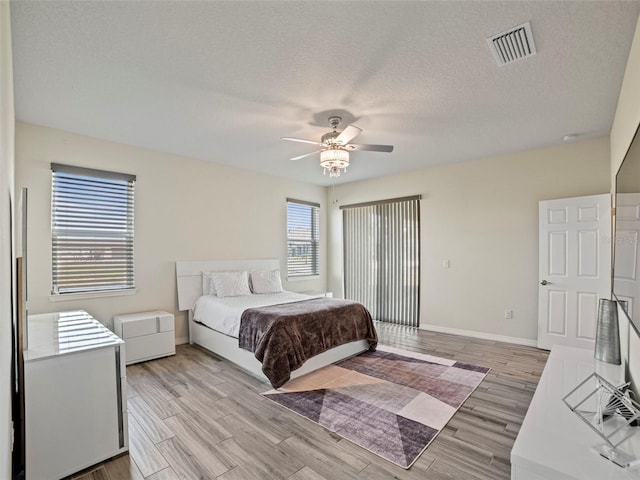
221, 334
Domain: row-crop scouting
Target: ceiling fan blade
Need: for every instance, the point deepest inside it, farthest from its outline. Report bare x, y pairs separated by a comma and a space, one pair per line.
371, 148
291, 139
348, 134
305, 155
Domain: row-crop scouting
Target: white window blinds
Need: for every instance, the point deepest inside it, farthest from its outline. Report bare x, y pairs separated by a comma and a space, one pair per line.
303, 235
382, 258
92, 230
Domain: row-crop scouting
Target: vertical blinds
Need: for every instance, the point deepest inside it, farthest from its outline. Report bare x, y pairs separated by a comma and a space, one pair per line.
303, 236
92, 230
382, 258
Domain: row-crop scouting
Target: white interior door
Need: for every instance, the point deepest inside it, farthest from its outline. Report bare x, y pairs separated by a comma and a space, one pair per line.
627, 256
575, 268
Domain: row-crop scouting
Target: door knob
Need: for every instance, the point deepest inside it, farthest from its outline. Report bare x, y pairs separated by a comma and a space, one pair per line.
544, 282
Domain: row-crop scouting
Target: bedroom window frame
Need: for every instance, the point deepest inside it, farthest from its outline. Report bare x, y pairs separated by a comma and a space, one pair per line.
297, 269
92, 233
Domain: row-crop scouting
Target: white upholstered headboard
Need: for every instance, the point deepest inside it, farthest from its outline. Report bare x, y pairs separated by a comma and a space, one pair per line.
189, 275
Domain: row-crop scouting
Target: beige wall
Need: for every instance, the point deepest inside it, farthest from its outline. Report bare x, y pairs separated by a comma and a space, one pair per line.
7, 121
625, 123
483, 217
185, 209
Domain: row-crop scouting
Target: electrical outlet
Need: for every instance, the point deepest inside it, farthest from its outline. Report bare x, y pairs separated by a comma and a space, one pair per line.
446, 263
508, 314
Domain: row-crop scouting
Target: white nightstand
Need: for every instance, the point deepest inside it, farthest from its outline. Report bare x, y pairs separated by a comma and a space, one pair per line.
319, 294
147, 335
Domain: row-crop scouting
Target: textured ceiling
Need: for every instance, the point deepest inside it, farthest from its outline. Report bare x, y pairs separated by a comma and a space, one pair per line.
223, 81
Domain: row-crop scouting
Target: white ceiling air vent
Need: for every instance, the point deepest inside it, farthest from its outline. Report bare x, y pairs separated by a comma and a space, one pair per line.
512, 45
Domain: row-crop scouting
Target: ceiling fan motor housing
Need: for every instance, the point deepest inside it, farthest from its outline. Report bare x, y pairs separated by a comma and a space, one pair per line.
329, 138
334, 121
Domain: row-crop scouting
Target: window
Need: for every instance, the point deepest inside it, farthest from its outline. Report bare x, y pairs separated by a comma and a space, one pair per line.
92, 230
382, 258
302, 238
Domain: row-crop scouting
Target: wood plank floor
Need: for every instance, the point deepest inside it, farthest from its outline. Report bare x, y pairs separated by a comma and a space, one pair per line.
194, 416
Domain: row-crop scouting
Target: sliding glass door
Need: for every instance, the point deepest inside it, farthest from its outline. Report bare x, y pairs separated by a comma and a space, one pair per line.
382, 258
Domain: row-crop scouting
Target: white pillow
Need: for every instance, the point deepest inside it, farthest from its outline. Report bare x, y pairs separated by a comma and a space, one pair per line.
231, 284
266, 281
208, 288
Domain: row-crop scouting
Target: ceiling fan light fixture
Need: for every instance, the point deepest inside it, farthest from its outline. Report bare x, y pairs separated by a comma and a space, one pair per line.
333, 160
335, 147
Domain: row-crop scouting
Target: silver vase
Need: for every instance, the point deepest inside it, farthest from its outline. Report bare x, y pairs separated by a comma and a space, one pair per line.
608, 333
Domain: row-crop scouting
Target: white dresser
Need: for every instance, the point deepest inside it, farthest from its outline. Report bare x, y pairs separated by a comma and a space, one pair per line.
147, 335
553, 442
75, 397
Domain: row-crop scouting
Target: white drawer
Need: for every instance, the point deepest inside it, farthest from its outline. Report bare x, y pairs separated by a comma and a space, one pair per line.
144, 323
147, 347
144, 326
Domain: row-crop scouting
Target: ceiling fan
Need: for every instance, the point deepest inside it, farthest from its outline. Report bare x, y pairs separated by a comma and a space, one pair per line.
335, 147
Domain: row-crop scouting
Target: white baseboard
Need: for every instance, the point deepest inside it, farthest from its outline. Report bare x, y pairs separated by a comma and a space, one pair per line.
182, 340
485, 336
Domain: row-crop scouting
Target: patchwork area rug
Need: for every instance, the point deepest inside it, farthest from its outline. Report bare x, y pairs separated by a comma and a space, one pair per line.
391, 402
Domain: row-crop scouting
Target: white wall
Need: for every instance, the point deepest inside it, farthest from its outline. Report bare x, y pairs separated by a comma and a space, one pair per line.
483, 217
185, 209
7, 121
625, 123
